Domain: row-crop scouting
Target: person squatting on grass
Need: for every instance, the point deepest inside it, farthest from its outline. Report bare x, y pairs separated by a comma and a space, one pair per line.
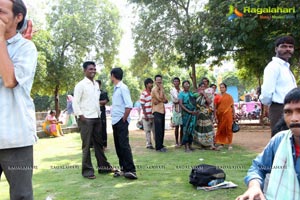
121, 107
18, 60
87, 108
281, 158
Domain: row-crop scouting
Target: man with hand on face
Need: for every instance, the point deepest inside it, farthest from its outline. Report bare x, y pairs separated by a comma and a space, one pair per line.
278, 78
281, 158
86, 106
158, 109
18, 59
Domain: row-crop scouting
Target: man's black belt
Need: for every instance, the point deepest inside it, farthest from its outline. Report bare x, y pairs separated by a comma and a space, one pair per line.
277, 103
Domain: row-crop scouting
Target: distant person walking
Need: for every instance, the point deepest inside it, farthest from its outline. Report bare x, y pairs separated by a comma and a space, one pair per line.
70, 118
148, 121
278, 78
86, 107
121, 107
158, 109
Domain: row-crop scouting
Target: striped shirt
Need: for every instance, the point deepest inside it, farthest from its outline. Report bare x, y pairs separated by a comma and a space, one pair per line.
18, 123
145, 100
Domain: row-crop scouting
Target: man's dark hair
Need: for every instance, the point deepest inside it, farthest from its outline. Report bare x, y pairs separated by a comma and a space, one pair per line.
201, 83
205, 78
186, 81
211, 85
284, 40
87, 63
292, 96
147, 81
19, 7
176, 78
117, 72
98, 81
157, 76
279, 126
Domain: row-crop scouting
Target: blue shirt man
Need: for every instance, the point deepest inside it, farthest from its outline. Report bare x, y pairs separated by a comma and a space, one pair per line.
121, 107
121, 102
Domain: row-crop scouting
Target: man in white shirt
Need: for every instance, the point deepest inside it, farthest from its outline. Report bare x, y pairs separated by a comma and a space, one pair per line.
86, 107
278, 78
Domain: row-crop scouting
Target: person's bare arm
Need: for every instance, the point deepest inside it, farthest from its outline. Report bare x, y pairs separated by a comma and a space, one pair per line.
126, 114
253, 192
6, 66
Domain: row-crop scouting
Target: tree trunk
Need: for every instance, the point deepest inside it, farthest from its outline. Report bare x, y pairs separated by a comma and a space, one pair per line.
194, 75
56, 100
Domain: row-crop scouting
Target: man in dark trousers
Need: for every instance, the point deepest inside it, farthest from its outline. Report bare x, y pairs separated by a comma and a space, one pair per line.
103, 101
158, 109
87, 108
121, 107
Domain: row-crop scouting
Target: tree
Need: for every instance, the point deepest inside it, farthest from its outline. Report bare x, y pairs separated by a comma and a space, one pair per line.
249, 40
170, 32
78, 30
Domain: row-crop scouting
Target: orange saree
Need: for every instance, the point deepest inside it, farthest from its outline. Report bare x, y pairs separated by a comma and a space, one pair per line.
225, 119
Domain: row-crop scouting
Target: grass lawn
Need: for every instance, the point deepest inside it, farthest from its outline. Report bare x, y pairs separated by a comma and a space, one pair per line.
160, 175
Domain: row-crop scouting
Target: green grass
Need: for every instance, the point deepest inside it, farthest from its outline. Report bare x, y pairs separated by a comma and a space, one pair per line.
160, 175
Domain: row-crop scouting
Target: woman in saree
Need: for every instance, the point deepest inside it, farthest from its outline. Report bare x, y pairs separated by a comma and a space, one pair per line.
224, 115
188, 105
204, 131
51, 126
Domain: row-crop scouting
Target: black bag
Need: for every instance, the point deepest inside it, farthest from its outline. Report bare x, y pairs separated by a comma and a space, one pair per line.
235, 127
202, 174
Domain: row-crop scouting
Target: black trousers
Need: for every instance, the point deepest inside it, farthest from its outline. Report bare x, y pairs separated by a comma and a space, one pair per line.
104, 130
159, 124
123, 149
17, 165
89, 131
275, 113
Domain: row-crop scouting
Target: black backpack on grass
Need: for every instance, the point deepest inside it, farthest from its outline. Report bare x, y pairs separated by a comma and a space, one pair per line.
201, 175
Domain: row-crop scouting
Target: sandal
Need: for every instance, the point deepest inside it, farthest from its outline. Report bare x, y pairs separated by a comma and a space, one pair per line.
90, 177
220, 147
213, 148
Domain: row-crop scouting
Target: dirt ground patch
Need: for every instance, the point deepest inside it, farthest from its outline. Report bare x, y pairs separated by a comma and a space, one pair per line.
253, 138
